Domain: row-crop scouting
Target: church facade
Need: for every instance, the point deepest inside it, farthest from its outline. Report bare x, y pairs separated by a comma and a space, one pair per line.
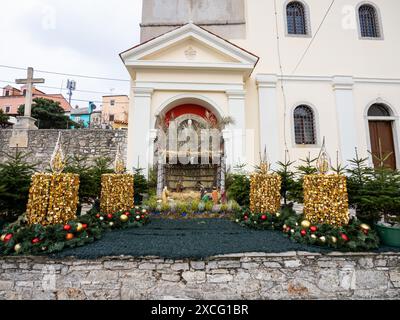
288, 74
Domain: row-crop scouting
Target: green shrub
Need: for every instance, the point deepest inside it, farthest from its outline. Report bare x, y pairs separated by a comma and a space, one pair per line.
238, 188
15, 180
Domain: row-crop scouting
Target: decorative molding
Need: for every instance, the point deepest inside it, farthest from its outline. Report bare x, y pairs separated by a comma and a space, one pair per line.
191, 53
143, 92
267, 80
343, 83
190, 86
189, 31
236, 94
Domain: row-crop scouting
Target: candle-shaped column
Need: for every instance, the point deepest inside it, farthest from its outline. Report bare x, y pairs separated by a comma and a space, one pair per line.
325, 195
117, 189
265, 189
53, 197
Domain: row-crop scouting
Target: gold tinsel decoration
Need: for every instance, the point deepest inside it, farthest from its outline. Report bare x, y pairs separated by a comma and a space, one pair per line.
265, 190
326, 199
117, 193
53, 198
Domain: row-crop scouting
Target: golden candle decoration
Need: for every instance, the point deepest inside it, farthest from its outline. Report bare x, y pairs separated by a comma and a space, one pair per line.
117, 193
119, 165
265, 189
326, 199
57, 162
53, 198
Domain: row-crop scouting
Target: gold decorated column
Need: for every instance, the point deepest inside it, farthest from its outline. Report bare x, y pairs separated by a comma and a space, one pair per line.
117, 190
325, 196
53, 197
265, 190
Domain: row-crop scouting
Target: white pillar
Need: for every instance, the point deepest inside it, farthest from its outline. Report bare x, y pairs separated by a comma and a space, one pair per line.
269, 117
343, 88
153, 137
227, 135
237, 106
139, 129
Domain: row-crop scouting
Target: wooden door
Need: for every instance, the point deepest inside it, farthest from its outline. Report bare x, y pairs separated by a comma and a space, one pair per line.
382, 143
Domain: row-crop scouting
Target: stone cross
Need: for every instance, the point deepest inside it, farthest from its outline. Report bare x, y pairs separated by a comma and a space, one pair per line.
29, 81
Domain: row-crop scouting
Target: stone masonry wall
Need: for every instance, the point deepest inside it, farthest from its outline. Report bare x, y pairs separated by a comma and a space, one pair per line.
292, 275
91, 143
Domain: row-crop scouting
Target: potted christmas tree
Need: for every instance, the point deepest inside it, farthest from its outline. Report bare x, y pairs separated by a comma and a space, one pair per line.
376, 196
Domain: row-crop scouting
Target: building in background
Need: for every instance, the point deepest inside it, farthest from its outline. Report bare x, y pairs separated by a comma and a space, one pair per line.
83, 116
115, 111
12, 98
247, 59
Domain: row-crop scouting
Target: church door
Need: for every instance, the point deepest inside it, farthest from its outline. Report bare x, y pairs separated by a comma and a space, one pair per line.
382, 143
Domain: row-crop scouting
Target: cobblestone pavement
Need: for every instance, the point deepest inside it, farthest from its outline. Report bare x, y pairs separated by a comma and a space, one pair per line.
199, 239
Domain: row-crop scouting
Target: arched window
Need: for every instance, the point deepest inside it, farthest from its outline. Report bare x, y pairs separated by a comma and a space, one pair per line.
296, 18
304, 125
379, 110
369, 22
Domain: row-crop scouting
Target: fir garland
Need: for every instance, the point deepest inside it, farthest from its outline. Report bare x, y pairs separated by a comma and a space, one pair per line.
36, 239
355, 236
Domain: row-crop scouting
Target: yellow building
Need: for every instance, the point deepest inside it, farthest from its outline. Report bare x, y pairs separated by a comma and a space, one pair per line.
115, 111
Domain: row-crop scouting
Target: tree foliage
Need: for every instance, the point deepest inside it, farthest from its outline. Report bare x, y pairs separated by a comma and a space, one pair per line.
49, 115
4, 119
15, 180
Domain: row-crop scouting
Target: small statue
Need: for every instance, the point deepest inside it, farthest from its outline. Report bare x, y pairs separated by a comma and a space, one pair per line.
165, 195
215, 196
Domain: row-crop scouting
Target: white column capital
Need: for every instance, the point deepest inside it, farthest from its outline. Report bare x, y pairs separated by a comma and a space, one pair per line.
236, 94
143, 92
267, 80
343, 83
153, 134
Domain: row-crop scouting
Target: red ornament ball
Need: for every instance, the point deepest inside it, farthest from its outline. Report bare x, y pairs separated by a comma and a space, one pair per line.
98, 216
8, 237
303, 233
246, 218
84, 226
109, 216
67, 227
313, 229
143, 217
344, 237
264, 217
35, 241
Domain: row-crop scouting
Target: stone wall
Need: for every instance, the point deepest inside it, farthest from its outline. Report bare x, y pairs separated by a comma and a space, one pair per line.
91, 143
292, 275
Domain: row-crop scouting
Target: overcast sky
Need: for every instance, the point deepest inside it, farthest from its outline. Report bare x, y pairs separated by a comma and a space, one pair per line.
76, 37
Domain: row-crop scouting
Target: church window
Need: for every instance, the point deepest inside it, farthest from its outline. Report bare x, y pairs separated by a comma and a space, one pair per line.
296, 18
304, 125
378, 110
369, 24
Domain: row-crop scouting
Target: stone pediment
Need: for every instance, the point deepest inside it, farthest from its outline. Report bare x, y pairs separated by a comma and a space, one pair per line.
190, 47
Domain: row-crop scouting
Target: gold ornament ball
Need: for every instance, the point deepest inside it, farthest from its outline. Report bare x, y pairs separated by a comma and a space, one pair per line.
79, 227
278, 214
323, 239
334, 239
365, 227
124, 218
3, 237
306, 224
313, 236
111, 224
17, 247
